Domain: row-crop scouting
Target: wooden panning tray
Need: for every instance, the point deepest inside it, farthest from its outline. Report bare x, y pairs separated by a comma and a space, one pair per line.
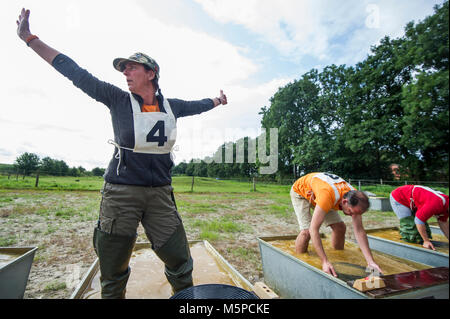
147, 279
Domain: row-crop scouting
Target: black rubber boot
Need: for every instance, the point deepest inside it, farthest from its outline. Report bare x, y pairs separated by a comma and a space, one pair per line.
177, 258
114, 253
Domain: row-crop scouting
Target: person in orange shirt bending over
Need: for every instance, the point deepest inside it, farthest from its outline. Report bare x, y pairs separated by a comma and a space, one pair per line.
328, 193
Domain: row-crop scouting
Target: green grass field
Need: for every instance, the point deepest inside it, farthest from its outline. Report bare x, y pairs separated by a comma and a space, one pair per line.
181, 184
60, 215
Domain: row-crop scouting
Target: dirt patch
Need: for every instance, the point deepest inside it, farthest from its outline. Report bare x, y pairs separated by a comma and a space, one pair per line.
61, 224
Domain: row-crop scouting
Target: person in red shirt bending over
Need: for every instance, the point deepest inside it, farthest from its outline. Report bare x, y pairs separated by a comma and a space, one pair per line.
414, 205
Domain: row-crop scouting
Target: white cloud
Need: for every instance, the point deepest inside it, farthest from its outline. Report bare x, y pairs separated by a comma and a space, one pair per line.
44, 113
38, 101
327, 30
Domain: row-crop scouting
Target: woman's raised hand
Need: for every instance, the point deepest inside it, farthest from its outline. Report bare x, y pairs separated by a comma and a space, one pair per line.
23, 26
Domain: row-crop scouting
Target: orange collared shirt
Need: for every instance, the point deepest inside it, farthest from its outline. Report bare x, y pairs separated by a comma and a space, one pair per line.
323, 192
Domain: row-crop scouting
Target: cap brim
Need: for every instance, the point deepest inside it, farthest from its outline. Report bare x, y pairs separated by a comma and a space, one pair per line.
119, 63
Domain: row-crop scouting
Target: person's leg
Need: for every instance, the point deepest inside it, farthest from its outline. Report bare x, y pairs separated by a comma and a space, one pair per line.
164, 228
114, 253
400, 210
338, 235
302, 241
302, 211
338, 228
407, 227
114, 238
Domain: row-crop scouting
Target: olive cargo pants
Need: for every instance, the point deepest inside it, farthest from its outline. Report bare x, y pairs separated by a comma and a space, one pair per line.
122, 208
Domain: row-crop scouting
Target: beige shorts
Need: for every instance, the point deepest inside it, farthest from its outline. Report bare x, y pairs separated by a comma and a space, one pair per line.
302, 211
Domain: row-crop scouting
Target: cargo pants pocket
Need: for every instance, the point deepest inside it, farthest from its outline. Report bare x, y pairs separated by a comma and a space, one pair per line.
105, 221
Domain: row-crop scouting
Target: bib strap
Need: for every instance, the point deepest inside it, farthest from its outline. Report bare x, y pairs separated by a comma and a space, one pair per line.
119, 153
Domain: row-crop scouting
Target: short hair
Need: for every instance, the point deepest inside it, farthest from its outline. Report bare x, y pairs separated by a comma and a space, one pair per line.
357, 198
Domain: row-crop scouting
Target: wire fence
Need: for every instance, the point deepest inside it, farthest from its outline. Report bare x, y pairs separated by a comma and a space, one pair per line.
358, 183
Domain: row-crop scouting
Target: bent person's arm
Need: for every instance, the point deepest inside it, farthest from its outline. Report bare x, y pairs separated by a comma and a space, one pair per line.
444, 227
24, 33
363, 242
316, 222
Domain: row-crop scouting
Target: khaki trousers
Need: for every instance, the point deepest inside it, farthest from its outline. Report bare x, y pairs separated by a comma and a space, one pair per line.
123, 207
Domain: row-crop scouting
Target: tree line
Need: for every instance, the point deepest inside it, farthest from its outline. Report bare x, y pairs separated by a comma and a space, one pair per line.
219, 168
358, 120
30, 163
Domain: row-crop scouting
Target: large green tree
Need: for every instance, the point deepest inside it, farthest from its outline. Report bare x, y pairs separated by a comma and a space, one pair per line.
356, 121
426, 99
291, 111
27, 163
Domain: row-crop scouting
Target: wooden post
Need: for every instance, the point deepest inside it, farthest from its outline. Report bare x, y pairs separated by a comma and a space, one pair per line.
192, 185
37, 179
254, 185
359, 185
381, 181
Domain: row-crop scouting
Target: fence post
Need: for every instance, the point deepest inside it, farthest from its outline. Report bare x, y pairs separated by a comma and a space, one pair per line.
37, 179
254, 185
381, 181
359, 185
192, 185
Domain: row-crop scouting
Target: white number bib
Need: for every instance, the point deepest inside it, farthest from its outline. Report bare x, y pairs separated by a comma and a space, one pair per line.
154, 132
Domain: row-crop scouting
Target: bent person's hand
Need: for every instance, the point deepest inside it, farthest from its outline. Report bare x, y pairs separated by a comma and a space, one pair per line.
328, 268
427, 244
23, 25
373, 267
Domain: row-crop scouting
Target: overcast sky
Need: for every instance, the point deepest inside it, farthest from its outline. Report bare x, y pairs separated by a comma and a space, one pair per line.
248, 48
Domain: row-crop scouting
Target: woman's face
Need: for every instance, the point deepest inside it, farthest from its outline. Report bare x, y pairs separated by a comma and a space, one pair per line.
138, 78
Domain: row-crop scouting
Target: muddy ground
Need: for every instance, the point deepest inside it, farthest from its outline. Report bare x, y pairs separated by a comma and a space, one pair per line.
61, 224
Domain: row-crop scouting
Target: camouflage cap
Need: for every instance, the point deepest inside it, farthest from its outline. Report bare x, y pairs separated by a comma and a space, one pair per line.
119, 63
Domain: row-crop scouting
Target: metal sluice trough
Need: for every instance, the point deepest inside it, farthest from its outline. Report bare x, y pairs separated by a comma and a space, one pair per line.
388, 240
147, 279
15, 265
291, 277
436, 230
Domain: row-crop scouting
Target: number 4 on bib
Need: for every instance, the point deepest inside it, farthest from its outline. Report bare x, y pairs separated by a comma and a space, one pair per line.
161, 138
